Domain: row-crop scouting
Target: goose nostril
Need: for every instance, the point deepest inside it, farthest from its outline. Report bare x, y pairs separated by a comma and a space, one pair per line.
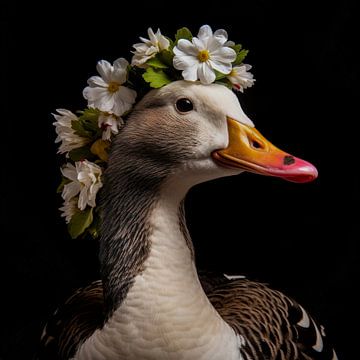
256, 145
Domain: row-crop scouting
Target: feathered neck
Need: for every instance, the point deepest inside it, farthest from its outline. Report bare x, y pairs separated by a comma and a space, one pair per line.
156, 304
130, 192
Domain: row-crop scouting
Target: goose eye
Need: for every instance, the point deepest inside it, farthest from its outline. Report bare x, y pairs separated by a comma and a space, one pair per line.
184, 105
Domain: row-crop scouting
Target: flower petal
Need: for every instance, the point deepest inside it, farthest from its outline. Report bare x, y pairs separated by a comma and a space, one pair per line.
83, 199
146, 41
97, 81
205, 73
200, 44
183, 62
214, 44
69, 172
106, 103
68, 209
93, 94
121, 64
224, 68
139, 60
105, 69
241, 78
66, 113
164, 43
70, 190
223, 54
109, 124
151, 51
205, 32
152, 36
106, 135
119, 75
221, 35
186, 47
65, 133
128, 95
124, 99
229, 43
140, 47
190, 73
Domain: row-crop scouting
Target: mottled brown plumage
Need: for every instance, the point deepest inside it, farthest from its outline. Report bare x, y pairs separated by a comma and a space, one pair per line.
269, 322
266, 318
72, 323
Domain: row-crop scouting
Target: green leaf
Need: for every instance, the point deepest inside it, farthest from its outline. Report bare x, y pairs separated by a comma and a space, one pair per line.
219, 75
87, 124
81, 153
166, 56
80, 222
236, 47
183, 33
137, 82
156, 78
93, 229
79, 129
89, 120
240, 57
171, 42
156, 63
89, 114
225, 82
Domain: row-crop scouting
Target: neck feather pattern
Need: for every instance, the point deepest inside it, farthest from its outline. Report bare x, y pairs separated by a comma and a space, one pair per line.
129, 194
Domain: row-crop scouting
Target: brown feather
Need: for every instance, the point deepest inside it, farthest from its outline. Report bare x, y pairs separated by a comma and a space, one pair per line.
73, 323
267, 320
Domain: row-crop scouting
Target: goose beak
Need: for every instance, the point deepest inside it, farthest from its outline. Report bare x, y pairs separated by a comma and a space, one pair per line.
250, 151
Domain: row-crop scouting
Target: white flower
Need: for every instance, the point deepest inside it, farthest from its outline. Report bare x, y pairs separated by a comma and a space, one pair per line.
149, 47
65, 133
110, 124
107, 93
241, 78
85, 179
69, 209
205, 53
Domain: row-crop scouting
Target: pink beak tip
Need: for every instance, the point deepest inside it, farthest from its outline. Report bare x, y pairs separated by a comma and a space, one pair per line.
300, 171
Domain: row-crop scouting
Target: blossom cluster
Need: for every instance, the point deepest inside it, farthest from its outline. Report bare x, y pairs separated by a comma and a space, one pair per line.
85, 138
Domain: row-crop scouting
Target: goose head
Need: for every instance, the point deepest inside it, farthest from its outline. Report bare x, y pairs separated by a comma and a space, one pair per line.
199, 132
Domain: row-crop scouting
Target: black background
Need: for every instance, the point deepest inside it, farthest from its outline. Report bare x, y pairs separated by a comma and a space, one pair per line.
300, 238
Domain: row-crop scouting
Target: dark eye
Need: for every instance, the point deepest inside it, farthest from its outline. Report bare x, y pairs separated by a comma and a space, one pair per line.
184, 105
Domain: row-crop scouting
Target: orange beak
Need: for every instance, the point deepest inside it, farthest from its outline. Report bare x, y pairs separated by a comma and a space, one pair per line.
250, 151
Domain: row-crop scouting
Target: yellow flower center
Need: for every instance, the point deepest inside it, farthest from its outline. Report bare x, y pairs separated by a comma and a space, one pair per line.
233, 73
113, 87
203, 55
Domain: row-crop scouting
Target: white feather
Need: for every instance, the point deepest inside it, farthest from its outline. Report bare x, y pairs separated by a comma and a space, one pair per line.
234, 277
305, 321
319, 342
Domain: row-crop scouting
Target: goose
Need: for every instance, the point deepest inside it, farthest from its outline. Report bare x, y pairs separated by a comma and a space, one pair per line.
151, 302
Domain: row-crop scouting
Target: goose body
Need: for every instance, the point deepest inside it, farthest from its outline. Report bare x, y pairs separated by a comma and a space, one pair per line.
151, 303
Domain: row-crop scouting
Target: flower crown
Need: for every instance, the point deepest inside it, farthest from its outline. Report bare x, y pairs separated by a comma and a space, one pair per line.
85, 138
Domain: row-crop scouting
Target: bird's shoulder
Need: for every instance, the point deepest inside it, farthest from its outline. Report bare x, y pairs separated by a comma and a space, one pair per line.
272, 325
72, 323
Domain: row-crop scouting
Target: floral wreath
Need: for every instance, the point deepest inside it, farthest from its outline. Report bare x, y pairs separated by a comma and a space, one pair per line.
85, 138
